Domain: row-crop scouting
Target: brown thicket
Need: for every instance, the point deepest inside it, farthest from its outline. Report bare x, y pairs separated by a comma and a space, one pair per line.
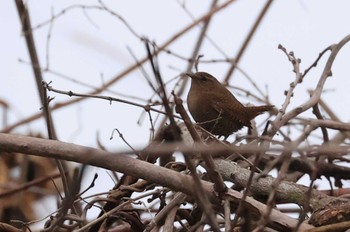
219, 185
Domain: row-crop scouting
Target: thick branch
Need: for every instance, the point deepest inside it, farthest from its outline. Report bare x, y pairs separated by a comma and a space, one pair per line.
287, 192
130, 166
99, 158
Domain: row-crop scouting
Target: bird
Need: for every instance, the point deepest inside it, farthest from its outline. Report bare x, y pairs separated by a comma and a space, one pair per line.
215, 108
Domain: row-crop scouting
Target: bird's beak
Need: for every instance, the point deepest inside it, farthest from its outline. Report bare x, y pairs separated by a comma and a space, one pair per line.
189, 74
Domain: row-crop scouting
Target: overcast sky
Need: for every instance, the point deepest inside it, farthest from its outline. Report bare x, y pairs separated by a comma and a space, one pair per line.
92, 47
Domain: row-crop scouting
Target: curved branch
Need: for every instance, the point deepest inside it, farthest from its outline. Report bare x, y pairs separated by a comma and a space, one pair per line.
137, 168
315, 97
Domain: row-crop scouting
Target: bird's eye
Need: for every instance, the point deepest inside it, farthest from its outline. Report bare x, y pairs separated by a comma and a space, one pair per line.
203, 78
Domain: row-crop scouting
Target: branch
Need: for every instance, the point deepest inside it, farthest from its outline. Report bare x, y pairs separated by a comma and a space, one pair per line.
247, 40
137, 168
315, 97
128, 69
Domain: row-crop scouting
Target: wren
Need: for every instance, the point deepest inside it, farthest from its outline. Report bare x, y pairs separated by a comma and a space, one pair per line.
215, 108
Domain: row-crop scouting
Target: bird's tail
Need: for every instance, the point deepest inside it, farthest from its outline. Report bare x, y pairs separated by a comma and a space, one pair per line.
256, 110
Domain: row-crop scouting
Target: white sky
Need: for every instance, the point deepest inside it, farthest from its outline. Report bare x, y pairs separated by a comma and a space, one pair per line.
85, 50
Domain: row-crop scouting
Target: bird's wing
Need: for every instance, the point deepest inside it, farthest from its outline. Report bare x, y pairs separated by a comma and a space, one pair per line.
233, 110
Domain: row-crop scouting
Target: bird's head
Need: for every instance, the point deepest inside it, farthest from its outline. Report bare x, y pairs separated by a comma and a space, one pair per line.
203, 80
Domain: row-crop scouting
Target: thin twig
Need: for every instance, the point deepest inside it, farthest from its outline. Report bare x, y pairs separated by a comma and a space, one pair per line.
247, 40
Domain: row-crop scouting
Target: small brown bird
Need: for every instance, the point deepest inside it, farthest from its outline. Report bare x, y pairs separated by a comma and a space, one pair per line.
215, 108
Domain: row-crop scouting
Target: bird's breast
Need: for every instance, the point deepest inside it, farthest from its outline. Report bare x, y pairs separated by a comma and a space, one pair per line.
201, 107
